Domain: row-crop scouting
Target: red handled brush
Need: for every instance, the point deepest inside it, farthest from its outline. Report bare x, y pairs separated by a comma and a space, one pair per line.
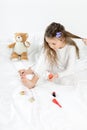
56, 102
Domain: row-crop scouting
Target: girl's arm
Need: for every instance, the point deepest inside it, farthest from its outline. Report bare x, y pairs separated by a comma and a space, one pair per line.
69, 68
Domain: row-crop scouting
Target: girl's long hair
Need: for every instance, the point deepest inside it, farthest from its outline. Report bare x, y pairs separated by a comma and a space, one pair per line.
50, 32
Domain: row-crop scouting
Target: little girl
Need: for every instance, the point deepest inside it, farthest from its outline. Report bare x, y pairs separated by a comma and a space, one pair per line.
58, 56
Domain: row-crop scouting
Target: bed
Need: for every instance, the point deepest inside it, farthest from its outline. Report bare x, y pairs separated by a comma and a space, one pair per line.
39, 108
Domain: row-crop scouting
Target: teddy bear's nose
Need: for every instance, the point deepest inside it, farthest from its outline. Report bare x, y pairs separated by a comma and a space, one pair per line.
18, 37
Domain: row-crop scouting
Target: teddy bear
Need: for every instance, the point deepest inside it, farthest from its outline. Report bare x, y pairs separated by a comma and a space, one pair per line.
20, 47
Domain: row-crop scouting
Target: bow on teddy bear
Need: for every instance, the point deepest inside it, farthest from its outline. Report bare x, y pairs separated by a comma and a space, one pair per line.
20, 46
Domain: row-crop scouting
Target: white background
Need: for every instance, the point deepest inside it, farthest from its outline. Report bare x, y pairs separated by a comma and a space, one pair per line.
33, 16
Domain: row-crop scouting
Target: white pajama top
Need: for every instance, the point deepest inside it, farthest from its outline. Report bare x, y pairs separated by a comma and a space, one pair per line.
66, 62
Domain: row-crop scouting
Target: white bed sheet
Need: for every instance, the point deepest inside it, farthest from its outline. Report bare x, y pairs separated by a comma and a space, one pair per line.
17, 112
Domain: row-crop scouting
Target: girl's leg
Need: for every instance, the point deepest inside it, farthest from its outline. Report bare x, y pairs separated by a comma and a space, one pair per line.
29, 71
29, 83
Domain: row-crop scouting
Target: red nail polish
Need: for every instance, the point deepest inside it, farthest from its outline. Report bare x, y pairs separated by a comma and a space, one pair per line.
50, 76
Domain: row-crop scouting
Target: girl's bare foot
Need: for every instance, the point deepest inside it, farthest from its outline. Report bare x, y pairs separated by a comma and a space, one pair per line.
28, 83
22, 72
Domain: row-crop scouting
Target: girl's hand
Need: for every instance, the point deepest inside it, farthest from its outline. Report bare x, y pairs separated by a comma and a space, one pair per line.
51, 76
85, 40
